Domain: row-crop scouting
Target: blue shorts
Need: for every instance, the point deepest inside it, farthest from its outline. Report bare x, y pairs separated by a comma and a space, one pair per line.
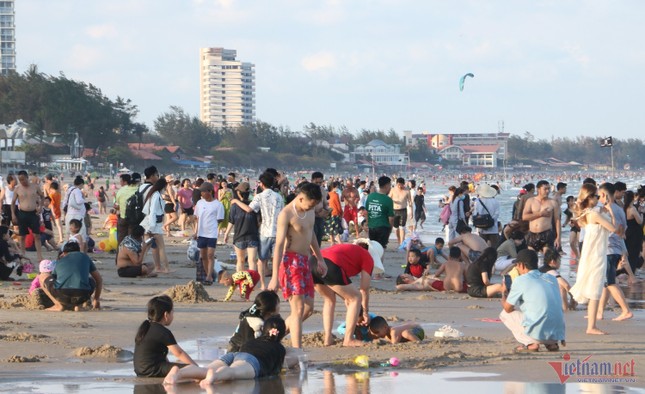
246, 244
229, 358
203, 242
612, 265
266, 248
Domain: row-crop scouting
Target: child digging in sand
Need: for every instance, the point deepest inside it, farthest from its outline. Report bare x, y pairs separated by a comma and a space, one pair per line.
266, 304
257, 358
410, 332
245, 280
154, 340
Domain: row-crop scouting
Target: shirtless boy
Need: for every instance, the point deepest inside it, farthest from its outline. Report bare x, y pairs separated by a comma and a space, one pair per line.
471, 245
542, 213
410, 332
455, 270
455, 279
402, 208
295, 239
132, 250
29, 197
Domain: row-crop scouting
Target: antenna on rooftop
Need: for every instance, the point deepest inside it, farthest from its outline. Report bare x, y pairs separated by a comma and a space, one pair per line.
500, 126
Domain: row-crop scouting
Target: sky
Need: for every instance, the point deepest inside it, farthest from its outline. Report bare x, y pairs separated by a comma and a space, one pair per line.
558, 68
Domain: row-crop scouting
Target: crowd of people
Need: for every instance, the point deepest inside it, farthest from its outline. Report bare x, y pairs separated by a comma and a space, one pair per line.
278, 230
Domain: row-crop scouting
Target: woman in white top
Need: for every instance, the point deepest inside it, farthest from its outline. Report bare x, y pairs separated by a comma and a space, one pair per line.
6, 196
592, 267
153, 208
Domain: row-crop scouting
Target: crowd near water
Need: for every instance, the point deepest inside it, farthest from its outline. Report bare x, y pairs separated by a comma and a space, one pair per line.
543, 243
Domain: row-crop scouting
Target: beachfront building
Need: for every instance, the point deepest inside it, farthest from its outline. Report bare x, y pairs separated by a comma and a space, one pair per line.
471, 149
226, 88
7, 37
379, 154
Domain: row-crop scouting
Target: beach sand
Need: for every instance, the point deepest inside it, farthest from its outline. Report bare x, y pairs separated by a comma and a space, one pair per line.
35, 341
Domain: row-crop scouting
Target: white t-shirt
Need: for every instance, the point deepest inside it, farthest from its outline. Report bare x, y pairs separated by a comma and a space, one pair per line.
208, 214
269, 204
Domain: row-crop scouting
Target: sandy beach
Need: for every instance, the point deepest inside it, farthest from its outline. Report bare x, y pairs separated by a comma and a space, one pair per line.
35, 342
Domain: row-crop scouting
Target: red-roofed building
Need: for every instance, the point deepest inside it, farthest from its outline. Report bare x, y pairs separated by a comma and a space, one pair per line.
472, 149
150, 151
144, 155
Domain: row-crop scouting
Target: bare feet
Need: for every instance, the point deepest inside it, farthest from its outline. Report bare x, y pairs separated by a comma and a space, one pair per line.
624, 316
208, 380
55, 308
595, 331
353, 343
171, 378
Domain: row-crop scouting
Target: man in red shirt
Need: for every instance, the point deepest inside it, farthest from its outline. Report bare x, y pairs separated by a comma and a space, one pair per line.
344, 261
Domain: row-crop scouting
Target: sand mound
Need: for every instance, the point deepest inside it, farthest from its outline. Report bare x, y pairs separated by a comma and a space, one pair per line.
393, 318
37, 300
23, 359
316, 340
192, 292
103, 351
24, 337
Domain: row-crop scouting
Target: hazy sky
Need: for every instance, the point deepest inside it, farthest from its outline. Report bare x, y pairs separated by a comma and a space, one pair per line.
553, 68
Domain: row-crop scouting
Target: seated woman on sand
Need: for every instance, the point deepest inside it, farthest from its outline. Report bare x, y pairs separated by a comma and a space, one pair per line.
479, 273
257, 358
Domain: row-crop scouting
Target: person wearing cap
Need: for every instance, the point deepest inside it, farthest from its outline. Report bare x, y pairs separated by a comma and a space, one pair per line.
486, 203
246, 238
208, 213
344, 261
129, 185
532, 309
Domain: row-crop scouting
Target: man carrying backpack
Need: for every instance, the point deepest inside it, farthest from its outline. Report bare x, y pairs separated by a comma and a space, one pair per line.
129, 185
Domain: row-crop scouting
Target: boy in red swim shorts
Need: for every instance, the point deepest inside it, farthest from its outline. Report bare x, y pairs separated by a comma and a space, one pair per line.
295, 239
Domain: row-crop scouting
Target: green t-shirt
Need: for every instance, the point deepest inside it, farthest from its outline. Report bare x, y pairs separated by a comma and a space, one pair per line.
73, 271
122, 197
380, 208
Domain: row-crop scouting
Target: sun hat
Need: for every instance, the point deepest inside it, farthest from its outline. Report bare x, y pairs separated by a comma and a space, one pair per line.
46, 266
486, 191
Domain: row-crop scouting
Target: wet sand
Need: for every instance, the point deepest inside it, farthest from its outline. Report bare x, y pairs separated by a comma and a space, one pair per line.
36, 341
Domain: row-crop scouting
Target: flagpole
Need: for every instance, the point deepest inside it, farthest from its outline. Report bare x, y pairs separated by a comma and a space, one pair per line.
612, 160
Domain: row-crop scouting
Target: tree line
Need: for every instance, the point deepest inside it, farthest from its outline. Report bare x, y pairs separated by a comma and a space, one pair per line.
581, 149
64, 107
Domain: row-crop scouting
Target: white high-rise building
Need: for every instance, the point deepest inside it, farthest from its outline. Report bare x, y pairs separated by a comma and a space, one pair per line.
226, 88
7, 37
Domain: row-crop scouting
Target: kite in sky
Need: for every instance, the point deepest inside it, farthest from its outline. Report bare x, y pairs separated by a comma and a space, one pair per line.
463, 79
